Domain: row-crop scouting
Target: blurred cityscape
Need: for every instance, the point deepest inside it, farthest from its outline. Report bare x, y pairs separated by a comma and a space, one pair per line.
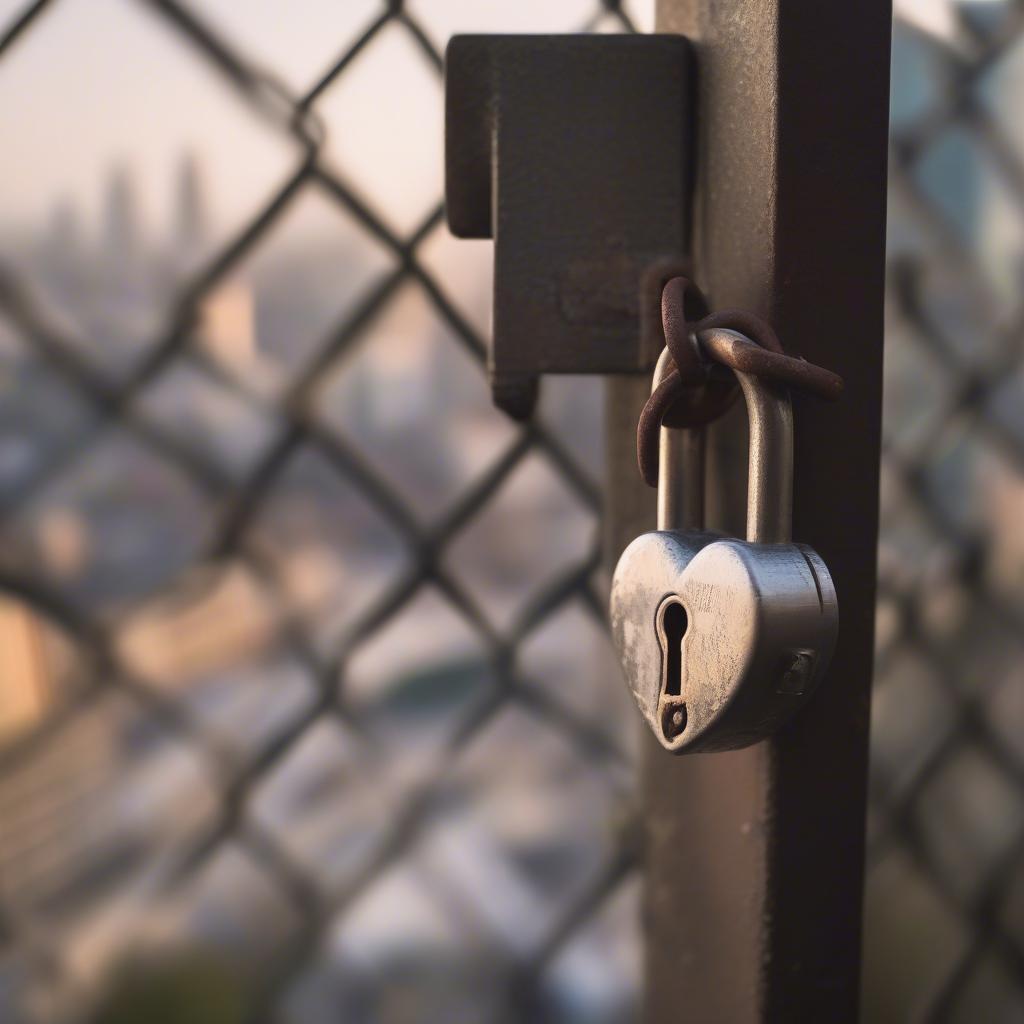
97, 824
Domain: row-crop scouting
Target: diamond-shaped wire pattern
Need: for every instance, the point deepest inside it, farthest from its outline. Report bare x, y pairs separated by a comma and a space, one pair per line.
947, 804
281, 743
308, 712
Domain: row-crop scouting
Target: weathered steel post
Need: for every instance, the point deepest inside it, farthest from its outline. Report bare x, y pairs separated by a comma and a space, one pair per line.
755, 857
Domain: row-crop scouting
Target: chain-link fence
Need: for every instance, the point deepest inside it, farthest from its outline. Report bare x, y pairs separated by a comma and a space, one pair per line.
946, 876
311, 715
308, 709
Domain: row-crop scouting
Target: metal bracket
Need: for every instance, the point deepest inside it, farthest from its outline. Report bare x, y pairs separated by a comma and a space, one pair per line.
572, 153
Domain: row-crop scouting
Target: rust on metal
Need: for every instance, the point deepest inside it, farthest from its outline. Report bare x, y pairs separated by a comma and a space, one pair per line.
694, 393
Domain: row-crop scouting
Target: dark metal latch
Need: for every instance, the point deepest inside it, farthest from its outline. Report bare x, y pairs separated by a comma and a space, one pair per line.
572, 153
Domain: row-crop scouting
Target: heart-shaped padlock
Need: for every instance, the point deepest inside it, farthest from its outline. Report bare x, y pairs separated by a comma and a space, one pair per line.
722, 640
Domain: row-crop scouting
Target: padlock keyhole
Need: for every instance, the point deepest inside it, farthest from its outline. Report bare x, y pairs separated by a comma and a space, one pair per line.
673, 626
672, 623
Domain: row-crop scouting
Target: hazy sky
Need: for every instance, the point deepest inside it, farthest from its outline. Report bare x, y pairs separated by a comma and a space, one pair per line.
99, 83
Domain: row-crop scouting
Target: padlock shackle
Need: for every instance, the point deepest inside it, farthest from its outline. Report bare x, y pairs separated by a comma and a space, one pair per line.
680, 467
770, 462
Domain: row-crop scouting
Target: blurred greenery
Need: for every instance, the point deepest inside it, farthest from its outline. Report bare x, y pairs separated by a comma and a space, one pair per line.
186, 988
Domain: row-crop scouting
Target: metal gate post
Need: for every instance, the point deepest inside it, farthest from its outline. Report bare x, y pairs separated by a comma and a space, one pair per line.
755, 857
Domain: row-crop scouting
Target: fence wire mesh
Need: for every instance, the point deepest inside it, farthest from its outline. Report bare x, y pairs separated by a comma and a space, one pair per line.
946, 879
309, 712
309, 705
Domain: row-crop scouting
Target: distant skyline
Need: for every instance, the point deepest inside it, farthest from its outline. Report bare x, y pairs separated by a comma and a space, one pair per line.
96, 84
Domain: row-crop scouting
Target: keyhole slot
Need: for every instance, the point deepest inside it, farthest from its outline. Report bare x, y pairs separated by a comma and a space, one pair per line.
672, 622
673, 626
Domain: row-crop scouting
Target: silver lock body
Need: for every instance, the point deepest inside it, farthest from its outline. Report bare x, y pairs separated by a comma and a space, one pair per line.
722, 640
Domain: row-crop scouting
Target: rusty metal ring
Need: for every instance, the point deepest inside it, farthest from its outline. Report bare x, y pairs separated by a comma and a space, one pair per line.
736, 351
691, 396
